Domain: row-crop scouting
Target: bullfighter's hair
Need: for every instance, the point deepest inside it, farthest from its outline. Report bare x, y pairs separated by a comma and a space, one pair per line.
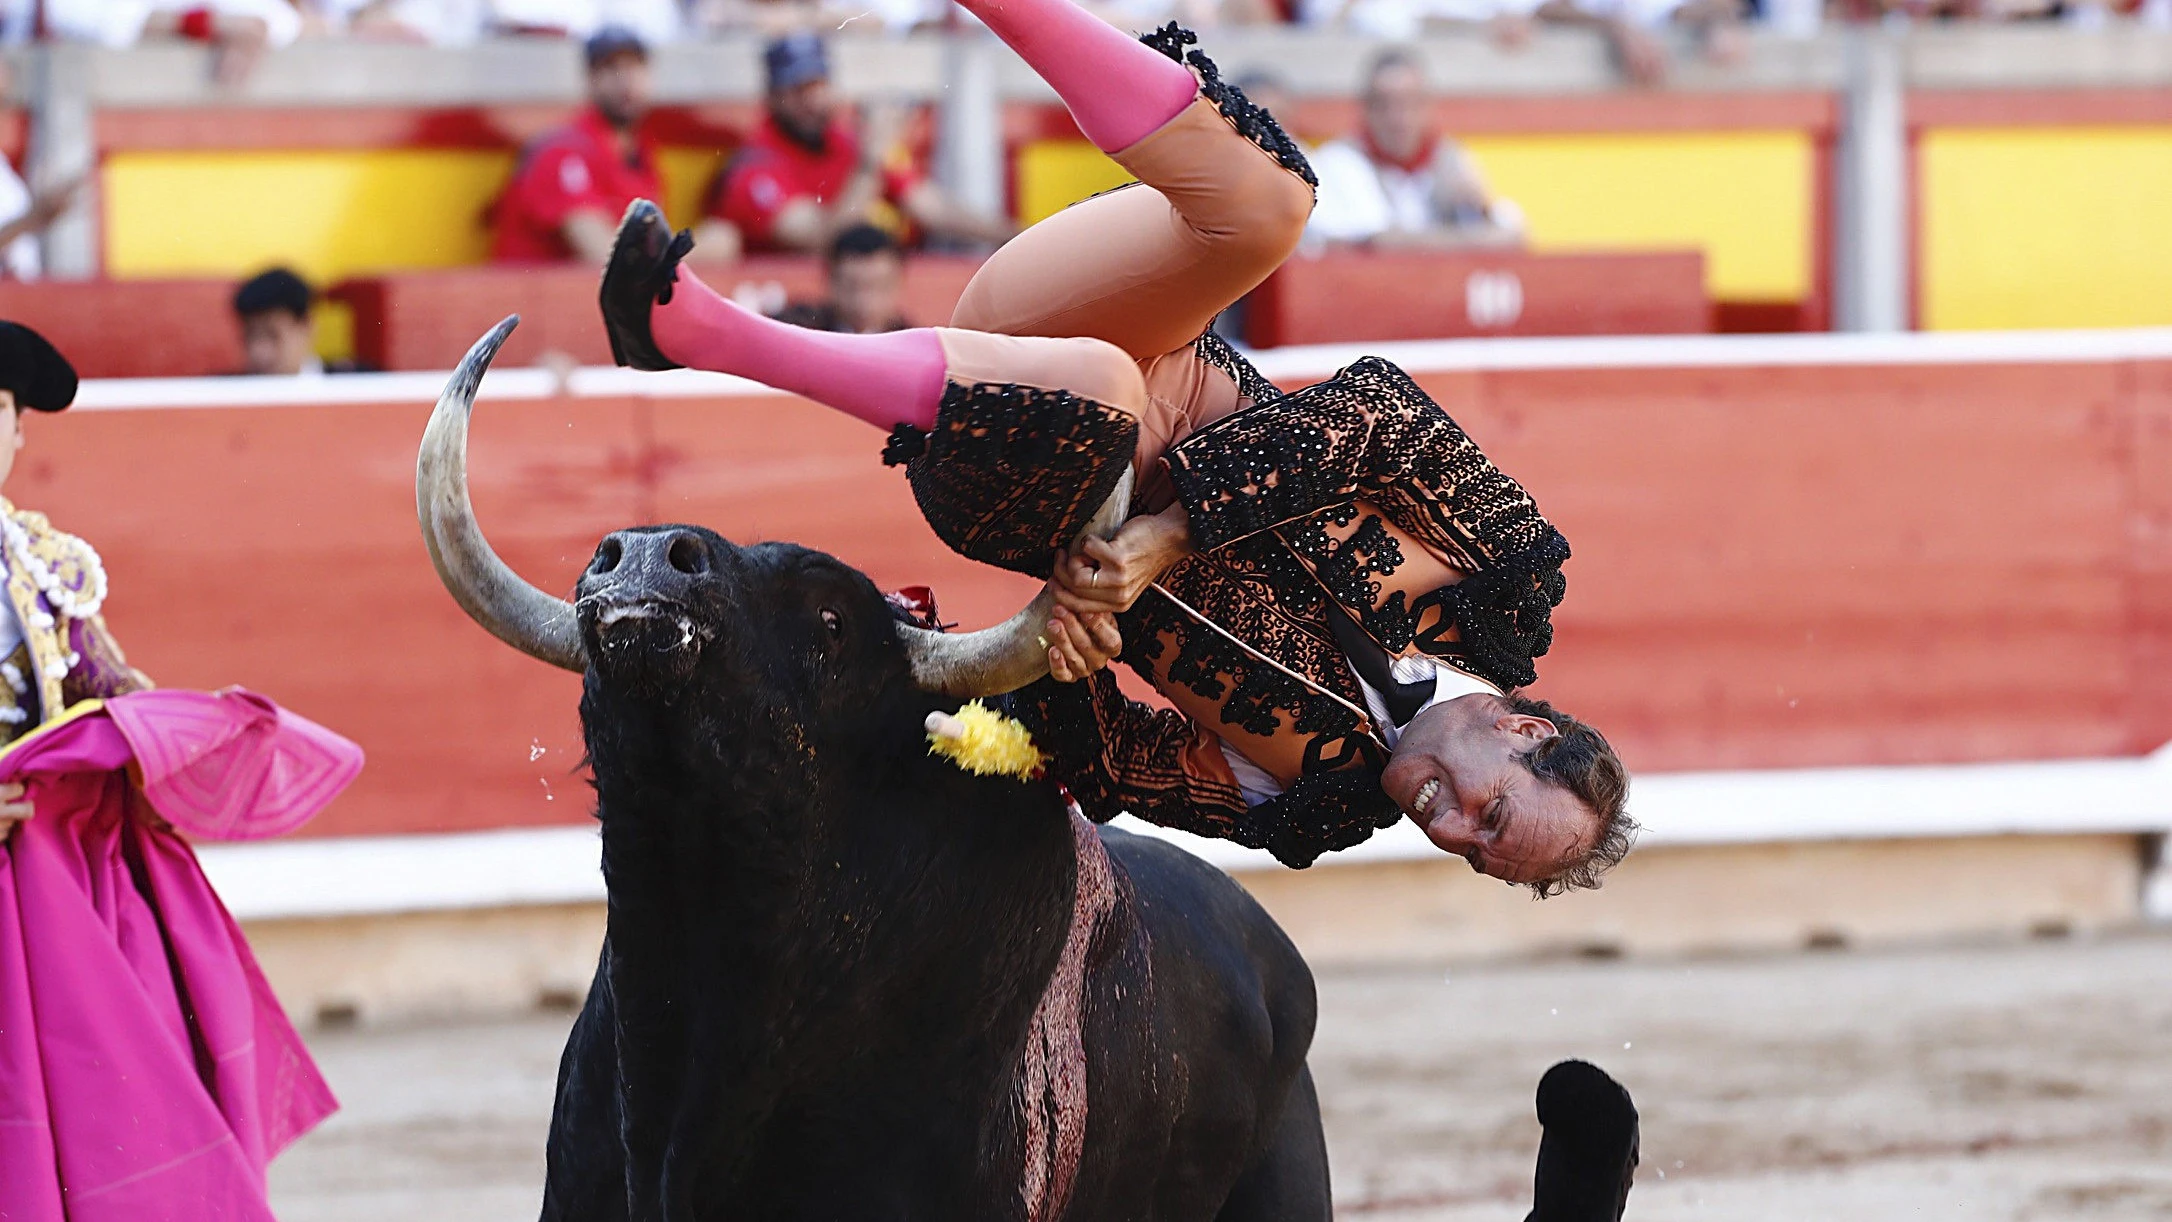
1579, 759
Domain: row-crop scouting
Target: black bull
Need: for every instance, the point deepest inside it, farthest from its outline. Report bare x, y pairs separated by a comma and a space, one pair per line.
826, 947
843, 979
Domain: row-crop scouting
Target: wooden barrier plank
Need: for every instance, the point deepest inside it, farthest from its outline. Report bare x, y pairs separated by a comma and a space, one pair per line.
1775, 566
426, 320
1365, 296
132, 329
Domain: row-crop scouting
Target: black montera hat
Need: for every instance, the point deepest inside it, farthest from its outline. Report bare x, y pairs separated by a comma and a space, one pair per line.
39, 375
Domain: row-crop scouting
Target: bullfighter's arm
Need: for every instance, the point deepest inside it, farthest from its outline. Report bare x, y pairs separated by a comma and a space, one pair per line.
97, 668
1115, 754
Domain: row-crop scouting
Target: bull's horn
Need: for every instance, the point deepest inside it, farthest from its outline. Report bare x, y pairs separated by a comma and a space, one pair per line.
492, 594
1012, 654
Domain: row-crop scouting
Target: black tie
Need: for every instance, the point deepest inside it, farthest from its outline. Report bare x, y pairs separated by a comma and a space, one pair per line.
1371, 663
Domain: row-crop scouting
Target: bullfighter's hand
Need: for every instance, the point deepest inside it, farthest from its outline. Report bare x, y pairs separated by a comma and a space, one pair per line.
14, 807
1111, 574
1079, 645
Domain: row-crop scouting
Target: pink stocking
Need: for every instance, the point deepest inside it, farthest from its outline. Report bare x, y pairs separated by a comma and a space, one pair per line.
1119, 89
886, 380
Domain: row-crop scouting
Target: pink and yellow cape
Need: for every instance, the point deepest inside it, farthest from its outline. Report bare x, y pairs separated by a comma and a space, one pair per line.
146, 1070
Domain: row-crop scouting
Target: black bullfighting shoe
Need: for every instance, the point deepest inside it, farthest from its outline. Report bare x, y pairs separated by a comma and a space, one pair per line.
1588, 1156
643, 268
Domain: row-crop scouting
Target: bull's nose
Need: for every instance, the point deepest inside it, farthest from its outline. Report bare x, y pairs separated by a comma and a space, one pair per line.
654, 551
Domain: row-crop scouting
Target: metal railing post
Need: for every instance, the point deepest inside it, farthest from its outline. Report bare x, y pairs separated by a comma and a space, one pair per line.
64, 145
969, 122
1870, 276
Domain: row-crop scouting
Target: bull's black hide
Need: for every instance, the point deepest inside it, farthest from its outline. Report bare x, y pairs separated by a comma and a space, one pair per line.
825, 946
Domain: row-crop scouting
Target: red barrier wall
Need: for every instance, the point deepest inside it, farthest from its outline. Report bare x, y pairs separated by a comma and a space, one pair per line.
1774, 565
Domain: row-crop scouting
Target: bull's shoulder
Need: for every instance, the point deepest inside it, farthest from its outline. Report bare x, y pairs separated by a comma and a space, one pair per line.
1187, 904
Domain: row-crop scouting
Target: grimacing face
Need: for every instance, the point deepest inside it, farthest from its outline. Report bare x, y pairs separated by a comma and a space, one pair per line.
1457, 773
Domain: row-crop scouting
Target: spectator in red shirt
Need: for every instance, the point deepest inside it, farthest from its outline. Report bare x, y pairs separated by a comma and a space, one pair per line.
571, 185
808, 173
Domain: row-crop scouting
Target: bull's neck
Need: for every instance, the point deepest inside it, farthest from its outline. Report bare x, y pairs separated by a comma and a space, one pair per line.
764, 917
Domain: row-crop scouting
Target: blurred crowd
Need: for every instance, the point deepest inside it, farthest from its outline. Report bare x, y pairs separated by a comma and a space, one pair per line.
821, 178
245, 24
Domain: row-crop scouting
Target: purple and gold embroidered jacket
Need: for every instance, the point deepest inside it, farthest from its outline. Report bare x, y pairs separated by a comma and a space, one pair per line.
66, 654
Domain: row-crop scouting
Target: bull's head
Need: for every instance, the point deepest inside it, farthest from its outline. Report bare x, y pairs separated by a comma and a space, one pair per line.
648, 585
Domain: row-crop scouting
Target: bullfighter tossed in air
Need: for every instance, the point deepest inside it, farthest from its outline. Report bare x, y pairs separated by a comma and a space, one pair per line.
1335, 589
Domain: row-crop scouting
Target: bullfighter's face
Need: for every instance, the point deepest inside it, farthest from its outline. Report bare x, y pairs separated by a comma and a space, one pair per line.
1459, 773
665, 609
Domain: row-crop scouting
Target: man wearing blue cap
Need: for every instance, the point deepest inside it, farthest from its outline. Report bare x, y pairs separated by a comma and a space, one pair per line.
570, 186
808, 173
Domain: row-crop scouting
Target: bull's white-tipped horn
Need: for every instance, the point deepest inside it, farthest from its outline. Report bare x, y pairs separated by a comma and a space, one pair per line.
492, 594
1012, 654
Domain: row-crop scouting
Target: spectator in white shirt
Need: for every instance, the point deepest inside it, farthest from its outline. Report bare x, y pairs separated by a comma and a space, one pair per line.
1399, 182
1631, 29
25, 215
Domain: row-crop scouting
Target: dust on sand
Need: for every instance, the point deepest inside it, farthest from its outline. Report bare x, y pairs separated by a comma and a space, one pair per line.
2029, 1081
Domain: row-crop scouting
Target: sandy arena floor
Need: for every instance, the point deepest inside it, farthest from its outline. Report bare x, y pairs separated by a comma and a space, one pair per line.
2010, 1082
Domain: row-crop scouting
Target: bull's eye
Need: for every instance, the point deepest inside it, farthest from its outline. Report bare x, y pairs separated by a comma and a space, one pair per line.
832, 621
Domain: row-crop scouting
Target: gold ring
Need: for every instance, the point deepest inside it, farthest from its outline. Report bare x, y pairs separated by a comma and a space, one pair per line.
1094, 582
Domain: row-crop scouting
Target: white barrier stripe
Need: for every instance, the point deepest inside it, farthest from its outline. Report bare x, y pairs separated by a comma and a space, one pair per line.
367, 875
1285, 364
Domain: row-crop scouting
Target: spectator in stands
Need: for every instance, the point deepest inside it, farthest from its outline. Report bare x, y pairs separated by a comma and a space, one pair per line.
25, 215
461, 22
866, 274
240, 30
1400, 182
278, 335
809, 172
1631, 29
571, 185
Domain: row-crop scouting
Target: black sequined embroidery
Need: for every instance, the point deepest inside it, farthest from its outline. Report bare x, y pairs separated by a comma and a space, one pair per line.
1371, 432
906, 443
1219, 353
1011, 473
1251, 121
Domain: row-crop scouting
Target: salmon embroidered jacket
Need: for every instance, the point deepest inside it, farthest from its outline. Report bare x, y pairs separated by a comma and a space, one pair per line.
1357, 496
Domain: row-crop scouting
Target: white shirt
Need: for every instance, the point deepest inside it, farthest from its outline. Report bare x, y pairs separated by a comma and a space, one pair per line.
119, 23
1360, 199
20, 259
1448, 684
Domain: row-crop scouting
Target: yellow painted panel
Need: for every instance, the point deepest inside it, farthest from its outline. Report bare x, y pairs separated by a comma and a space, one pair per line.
1745, 198
686, 172
1055, 174
325, 214
2046, 227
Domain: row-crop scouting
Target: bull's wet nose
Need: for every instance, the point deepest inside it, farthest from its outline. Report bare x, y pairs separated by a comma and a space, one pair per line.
608, 554
637, 552
687, 553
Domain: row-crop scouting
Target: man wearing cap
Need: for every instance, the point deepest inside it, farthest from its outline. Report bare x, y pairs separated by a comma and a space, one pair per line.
54, 647
808, 173
570, 186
